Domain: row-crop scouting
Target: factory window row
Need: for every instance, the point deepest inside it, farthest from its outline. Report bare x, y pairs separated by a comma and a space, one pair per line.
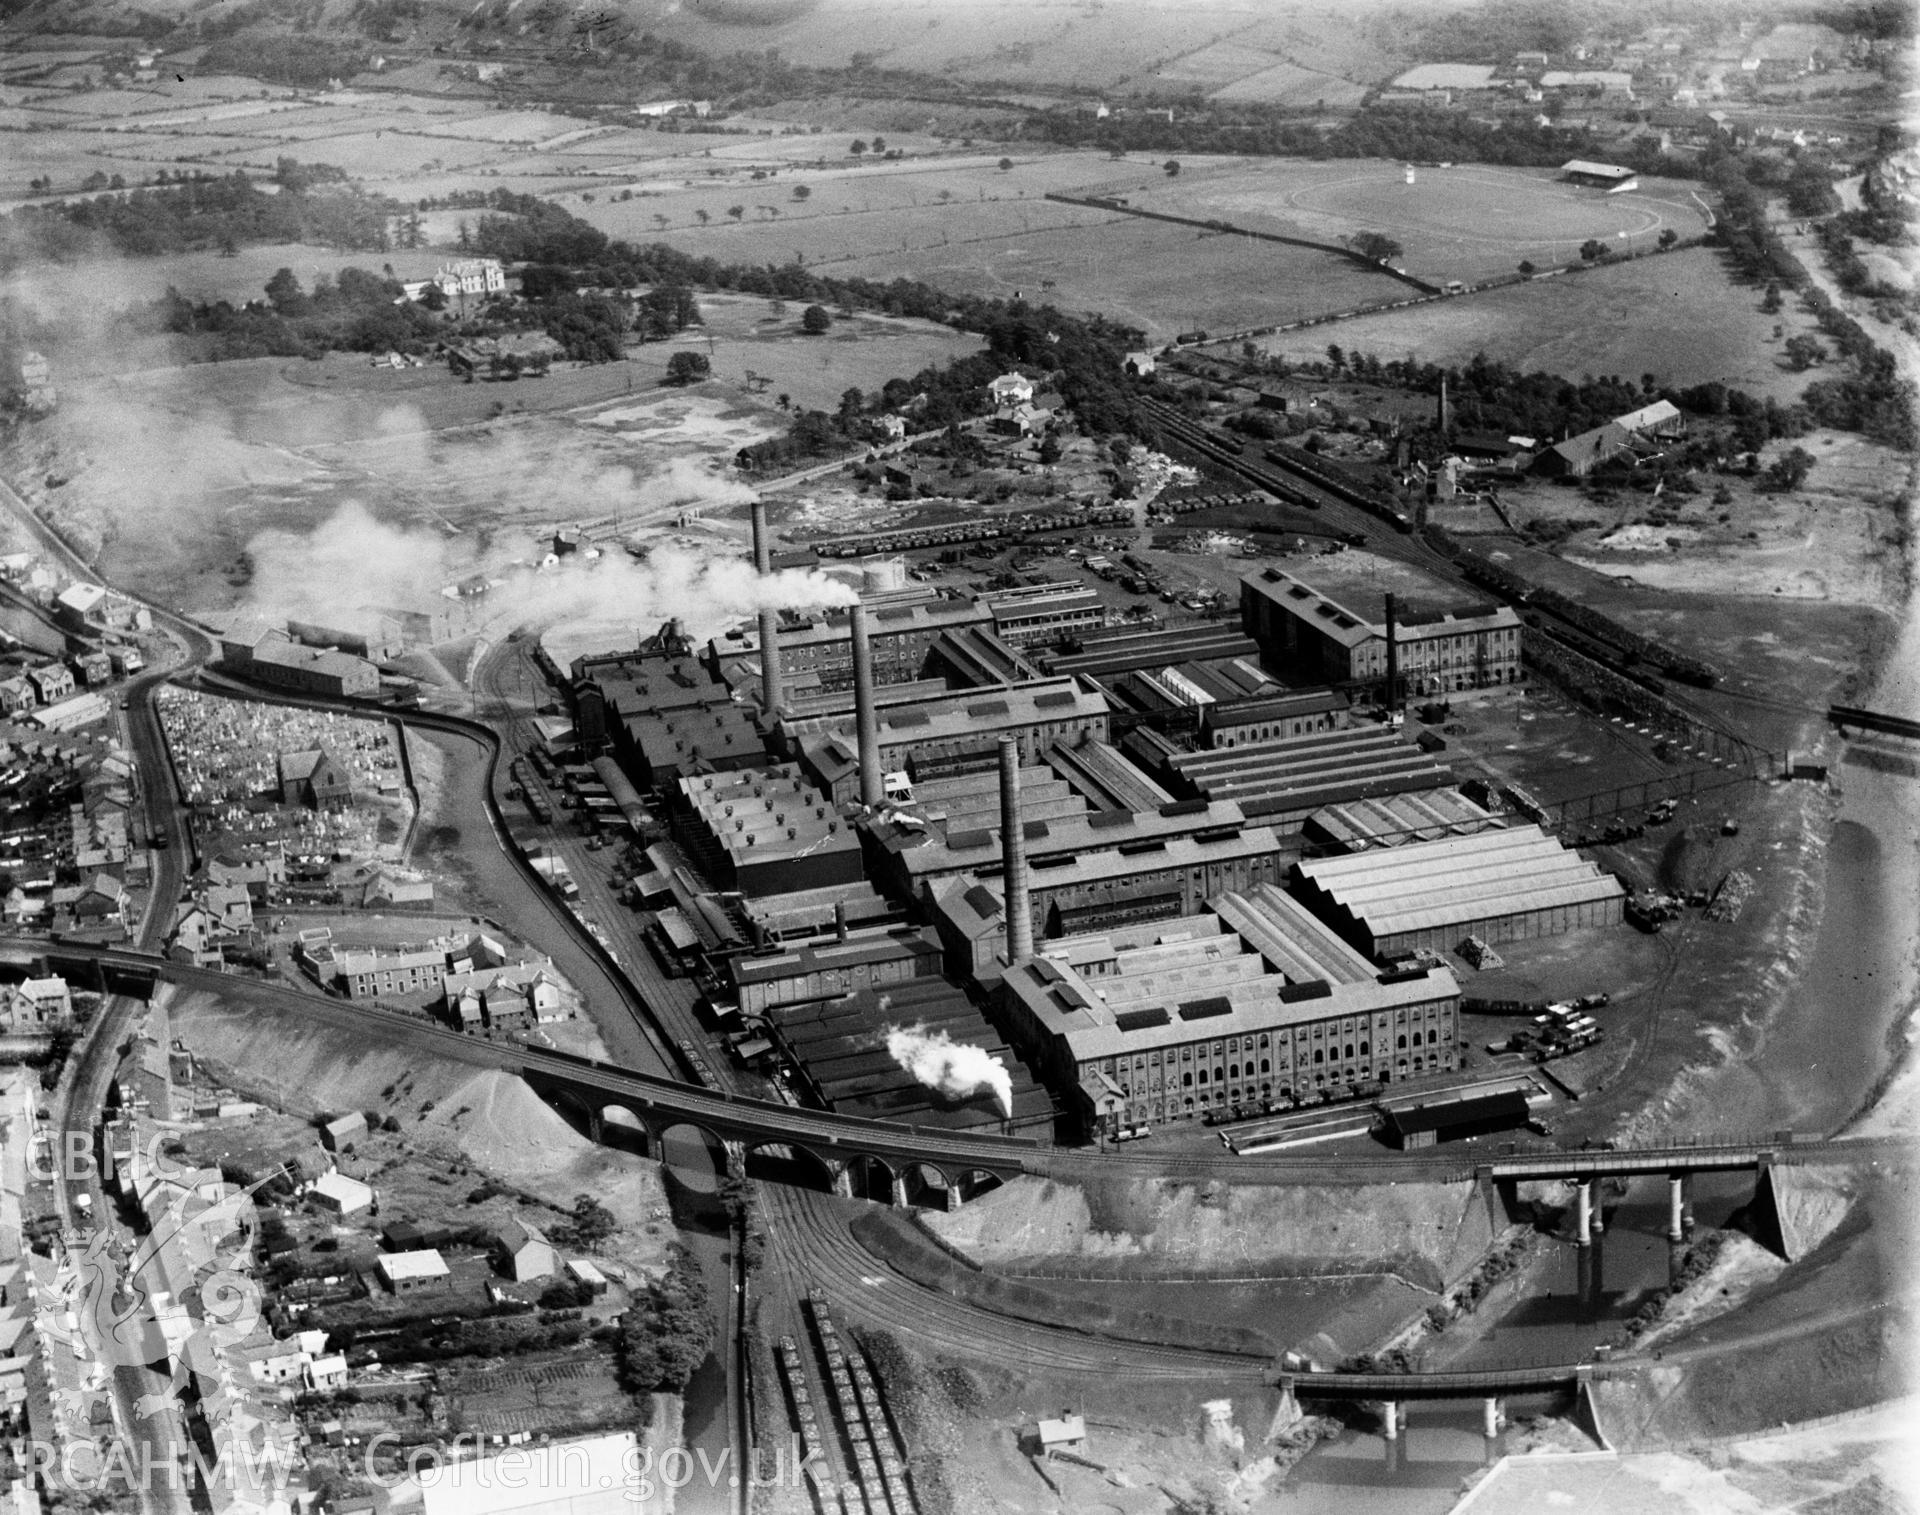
1311, 1059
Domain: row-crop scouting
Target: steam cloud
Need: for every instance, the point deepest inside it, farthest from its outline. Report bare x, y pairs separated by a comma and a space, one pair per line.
939, 1062
354, 562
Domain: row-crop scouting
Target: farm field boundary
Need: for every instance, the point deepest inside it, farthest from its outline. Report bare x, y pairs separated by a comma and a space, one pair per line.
1094, 203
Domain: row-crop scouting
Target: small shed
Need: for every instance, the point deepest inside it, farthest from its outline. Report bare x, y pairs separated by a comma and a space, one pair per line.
327, 1374
1067, 1434
336, 1134
583, 1272
1455, 1120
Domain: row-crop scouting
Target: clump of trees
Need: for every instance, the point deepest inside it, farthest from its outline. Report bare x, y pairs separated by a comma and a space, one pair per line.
667, 1331
687, 368
202, 212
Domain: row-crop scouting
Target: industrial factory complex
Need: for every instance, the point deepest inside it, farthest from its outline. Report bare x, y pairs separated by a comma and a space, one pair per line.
1152, 874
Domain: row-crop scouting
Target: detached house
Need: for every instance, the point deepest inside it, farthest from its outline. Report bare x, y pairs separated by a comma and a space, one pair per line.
522, 1253
52, 682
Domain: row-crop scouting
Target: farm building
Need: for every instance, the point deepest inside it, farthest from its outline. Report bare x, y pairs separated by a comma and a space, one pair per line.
1254, 1000
1311, 635
1660, 419
1500, 886
1578, 456
1597, 175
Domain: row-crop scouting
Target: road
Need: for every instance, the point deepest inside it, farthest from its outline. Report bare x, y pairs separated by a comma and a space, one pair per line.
157, 1441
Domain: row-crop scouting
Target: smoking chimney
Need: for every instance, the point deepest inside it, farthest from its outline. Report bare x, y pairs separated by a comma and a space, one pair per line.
866, 718
1393, 660
770, 683
1013, 854
1441, 418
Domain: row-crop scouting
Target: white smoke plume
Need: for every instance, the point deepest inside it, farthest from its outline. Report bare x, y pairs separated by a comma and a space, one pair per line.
353, 562
939, 1062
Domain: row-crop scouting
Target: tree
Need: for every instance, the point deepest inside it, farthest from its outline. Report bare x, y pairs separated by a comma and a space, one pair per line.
687, 367
703, 216
667, 1331
285, 295
736, 211
1770, 302
801, 192
1173, 168
858, 147
1049, 451
1790, 471
1803, 352
815, 321
1526, 269
879, 144
1335, 356
1668, 237
1005, 164
1593, 248
1377, 246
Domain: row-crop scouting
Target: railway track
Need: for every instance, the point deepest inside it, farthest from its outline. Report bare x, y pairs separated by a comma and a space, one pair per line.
1391, 539
811, 1238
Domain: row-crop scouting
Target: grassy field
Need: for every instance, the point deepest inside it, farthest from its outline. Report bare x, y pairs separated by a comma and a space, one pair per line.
1121, 269
1464, 222
1676, 316
1019, 43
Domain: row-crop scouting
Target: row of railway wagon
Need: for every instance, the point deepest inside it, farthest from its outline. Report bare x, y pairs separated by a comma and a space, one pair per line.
879, 1482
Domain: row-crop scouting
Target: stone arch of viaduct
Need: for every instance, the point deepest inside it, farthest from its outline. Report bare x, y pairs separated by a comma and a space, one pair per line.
846, 1168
